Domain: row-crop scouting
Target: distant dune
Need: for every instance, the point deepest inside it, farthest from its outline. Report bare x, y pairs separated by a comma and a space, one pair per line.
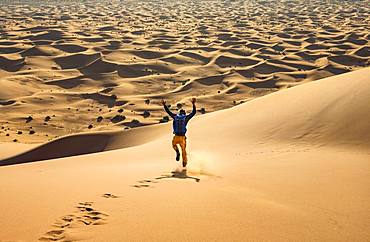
80, 64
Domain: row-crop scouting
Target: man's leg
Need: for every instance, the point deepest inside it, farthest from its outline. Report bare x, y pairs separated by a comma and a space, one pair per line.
183, 150
174, 146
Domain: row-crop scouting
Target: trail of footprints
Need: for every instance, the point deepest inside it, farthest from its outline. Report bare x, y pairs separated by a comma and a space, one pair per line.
85, 215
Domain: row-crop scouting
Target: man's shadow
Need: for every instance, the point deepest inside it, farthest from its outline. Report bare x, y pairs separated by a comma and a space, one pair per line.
178, 175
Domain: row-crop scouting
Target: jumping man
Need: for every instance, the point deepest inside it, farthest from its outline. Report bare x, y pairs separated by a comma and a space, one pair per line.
180, 121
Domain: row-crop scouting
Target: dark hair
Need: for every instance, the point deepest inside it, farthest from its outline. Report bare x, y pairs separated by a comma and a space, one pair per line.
182, 111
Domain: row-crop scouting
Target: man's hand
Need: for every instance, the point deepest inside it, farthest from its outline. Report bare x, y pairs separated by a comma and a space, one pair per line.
163, 102
193, 100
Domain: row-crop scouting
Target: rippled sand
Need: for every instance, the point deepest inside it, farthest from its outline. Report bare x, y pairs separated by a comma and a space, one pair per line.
104, 65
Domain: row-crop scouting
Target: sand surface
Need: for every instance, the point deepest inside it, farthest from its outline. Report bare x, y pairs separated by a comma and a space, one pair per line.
298, 172
282, 152
69, 67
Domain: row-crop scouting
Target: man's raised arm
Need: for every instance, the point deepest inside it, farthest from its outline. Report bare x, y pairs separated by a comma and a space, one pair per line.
193, 112
172, 115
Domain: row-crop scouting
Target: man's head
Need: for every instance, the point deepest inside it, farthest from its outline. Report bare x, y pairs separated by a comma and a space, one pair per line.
182, 112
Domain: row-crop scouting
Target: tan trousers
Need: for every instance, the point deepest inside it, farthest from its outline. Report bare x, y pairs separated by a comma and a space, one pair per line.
180, 140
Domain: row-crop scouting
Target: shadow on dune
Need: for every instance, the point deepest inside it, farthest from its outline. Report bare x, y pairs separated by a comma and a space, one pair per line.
86, 143
178, 175
63, 147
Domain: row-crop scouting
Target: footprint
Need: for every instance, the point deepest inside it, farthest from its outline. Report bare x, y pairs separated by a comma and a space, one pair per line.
144, 183
147, 181
108, 195
53, 235
140, 186
85, 215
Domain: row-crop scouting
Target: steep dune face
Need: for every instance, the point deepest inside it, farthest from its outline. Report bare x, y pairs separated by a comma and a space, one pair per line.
332, 111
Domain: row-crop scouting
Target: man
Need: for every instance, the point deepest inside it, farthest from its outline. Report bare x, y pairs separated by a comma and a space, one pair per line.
180, 121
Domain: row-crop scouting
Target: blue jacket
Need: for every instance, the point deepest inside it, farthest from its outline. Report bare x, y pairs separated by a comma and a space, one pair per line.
187, 118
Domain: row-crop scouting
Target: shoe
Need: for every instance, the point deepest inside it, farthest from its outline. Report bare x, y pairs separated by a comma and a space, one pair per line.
177, 155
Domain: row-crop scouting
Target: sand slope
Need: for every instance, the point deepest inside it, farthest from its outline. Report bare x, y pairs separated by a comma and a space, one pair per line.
82, 64
315, 116
293, 165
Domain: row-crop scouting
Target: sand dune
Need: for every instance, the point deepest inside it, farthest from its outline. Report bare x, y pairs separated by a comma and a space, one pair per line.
64, 52
88, 143
314, 114
294, 163
281, 154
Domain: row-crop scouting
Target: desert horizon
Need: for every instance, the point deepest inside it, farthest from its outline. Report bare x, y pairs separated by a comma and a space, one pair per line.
149, 120
107, 66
